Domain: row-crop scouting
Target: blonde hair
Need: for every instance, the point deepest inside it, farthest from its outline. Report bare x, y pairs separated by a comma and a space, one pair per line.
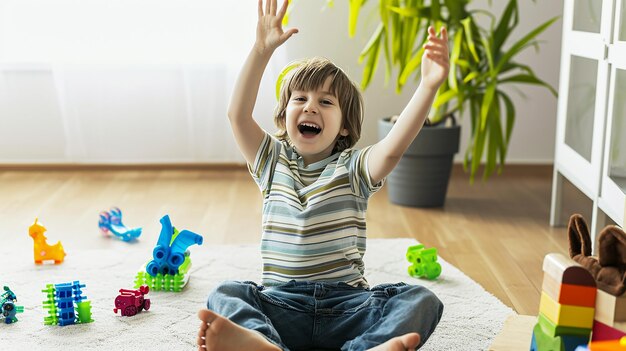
311, 75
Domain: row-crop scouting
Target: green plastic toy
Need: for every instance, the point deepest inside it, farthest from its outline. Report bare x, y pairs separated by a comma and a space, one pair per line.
165, 282
423, 262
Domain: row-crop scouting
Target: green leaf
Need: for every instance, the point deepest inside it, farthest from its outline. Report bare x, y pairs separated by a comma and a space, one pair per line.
496, 145
510, 116
505, 27
454, 57
467, 24
353, 16
486, 105
477, 151
374, 40
488, 47
388, 65
415, 12
521, 44
371, 54
528, 79
435, 10
471, 76
456, 10
411, 67
444, 97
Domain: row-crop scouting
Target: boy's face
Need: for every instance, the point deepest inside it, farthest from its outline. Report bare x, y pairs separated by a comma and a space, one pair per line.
314, 122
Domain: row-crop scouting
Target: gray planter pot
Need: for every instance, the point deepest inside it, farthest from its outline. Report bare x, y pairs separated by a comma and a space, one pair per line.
421, 177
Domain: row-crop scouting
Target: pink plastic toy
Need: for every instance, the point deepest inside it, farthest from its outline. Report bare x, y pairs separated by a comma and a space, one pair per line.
130, 302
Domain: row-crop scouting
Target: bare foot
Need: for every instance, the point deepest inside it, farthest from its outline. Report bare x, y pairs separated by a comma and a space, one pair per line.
405, 342
218, 333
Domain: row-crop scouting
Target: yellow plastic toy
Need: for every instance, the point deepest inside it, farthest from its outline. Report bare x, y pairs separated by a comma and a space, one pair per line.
43, 251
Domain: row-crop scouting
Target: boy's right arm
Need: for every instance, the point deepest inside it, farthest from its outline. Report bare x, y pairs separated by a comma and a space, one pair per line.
269, 36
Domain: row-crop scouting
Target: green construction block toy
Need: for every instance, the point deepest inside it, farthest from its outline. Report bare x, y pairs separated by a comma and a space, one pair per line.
165, 282
83, 312
542, 341
423, 262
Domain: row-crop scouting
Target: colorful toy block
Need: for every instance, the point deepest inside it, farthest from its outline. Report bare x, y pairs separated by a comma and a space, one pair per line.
43, 251
552, 329
610, 309
569, 294
602, 332
611, 345
423, 262
171, 249
566, 315
165, 282
541, 341
111, 223
566, 271
65, 304
567, 306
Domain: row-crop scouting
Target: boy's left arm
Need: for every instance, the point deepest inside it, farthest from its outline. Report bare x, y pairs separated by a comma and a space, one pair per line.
386, 154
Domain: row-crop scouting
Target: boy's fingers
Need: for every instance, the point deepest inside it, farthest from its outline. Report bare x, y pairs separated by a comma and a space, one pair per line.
439, 59
444, 34
273, 7
436, 52
283, 9
288, 33
436, 48
260, 9
268, 6
435, 41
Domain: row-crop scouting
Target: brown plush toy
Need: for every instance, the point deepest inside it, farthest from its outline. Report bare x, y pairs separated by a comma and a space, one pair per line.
609, 268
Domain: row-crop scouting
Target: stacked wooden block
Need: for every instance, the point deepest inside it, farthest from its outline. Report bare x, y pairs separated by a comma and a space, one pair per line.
610, 317
567, 307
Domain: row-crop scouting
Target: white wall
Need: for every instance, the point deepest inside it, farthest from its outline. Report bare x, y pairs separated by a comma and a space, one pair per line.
171, 113
324, 33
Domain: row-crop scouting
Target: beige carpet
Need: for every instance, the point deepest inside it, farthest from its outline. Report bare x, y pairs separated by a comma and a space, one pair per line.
472, 317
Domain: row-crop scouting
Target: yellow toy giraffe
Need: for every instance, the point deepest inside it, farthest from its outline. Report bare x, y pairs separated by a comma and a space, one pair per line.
43, 251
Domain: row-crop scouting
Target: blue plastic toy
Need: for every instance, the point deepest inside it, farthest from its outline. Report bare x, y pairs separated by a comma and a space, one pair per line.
111, 222
66, 304
169, 253
9, 309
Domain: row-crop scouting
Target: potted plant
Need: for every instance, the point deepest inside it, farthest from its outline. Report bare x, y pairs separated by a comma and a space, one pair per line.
481, 63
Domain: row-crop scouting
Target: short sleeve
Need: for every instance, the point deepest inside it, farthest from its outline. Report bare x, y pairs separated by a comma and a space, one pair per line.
361, 180
265, 162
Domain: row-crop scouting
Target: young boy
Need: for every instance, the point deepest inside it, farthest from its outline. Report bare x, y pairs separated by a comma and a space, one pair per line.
315, 188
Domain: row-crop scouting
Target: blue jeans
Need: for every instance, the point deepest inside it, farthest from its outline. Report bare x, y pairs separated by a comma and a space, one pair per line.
310, 315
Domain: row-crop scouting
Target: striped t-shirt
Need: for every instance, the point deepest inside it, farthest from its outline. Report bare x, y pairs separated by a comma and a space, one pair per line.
313, 216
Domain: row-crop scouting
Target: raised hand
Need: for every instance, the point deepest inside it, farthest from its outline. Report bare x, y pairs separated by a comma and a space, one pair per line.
436, 61
269, 30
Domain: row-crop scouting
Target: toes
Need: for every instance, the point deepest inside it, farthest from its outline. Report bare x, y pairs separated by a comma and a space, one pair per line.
411, 341
207, 316
201, 342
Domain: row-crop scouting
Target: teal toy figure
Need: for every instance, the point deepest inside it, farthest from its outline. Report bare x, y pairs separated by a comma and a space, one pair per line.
423, 262
9, 309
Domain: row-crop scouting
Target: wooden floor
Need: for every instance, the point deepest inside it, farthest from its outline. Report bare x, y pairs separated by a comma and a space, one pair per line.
496, 232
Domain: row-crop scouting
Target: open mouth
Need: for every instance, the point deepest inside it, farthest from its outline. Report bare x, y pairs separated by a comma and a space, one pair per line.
309, 129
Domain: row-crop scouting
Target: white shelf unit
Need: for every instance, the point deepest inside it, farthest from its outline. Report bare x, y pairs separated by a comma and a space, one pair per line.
590, 147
